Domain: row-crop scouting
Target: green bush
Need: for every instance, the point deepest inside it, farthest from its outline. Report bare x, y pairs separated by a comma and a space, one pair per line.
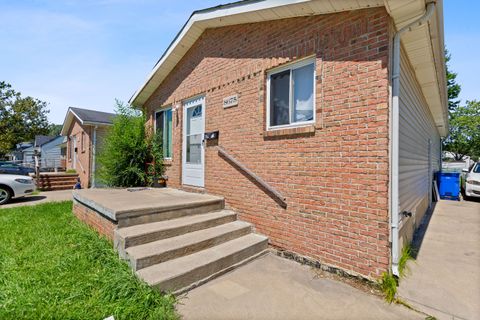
131, 155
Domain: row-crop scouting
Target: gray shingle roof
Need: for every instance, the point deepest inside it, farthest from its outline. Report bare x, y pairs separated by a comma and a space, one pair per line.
93, 116
40, 140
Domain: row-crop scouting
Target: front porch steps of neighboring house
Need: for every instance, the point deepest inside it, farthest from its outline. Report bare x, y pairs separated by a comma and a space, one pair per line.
175, 240
56, 181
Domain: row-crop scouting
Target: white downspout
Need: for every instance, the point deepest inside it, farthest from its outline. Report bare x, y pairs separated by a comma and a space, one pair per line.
396, 133
94, 152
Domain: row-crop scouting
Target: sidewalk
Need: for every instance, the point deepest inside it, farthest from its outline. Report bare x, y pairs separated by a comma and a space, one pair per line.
276, 288
444, 280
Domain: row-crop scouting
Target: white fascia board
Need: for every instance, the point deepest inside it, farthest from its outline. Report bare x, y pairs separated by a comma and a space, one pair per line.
68, 121
100, 124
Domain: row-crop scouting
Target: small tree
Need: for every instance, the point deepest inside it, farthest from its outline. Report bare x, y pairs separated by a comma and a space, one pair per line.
130, 153
21, 118
464, 138
453, 87
55, 130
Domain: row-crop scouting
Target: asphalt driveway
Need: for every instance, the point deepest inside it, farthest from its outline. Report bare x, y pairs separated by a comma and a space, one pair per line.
444, 280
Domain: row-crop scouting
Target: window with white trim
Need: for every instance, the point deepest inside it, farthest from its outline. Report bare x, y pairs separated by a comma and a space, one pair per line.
291, 95
163, 125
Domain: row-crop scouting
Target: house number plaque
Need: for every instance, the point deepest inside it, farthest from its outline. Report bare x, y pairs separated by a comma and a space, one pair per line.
230, 101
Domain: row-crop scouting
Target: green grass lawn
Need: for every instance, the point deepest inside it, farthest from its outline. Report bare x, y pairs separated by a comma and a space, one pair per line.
54, 267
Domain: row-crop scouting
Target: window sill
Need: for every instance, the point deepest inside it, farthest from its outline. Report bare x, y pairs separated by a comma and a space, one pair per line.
167, 161
308, 129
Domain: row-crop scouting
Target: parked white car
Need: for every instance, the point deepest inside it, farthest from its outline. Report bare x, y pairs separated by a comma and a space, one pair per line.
471, 181
14, 186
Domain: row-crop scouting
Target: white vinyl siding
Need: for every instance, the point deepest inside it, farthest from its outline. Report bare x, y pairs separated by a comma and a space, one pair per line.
417, 128
51, 154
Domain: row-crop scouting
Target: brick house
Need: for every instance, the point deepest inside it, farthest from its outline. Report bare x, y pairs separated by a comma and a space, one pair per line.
85, 130
320, 122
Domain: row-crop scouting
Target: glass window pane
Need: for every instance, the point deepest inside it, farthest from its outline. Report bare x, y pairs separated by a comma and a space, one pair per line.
279, 98
303, 94
194, 148
477, 168
167, 137
163, 125
194, 120
197, 111
159, 122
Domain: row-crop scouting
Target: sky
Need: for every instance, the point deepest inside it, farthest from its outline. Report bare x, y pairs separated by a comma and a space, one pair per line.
87, 53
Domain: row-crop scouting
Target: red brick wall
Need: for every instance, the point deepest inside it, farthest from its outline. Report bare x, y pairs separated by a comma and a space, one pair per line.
99, 223
335, 177
83, 152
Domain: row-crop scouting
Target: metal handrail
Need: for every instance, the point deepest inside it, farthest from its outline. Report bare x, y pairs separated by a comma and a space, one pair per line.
279, 197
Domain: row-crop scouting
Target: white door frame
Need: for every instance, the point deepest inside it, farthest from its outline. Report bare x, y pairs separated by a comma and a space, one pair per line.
193, 174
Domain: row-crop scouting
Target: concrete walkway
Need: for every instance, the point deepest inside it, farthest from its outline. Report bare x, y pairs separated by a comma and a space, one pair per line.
271, 287
444, 280
46, 196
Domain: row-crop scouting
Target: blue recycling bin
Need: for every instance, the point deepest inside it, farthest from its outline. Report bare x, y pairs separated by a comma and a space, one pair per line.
449, 185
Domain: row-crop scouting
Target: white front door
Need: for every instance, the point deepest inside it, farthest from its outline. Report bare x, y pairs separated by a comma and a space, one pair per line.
193, 145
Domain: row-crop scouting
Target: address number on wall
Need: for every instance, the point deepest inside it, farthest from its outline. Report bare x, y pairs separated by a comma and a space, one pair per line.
230, 101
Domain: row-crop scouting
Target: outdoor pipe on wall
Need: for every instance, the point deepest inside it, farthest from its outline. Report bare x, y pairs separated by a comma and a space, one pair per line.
395, 134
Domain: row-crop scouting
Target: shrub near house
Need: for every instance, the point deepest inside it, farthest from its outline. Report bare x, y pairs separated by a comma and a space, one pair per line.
132, 155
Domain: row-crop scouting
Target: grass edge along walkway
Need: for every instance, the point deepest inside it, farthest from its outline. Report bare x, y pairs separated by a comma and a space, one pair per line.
52, 266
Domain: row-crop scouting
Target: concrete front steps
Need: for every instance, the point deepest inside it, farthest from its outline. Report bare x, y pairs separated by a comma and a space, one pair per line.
189, 246
56, 181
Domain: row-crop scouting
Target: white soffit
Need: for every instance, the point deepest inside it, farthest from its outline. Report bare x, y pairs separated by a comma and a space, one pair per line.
424, 48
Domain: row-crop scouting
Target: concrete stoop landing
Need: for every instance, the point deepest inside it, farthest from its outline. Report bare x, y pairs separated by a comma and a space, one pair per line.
175, 240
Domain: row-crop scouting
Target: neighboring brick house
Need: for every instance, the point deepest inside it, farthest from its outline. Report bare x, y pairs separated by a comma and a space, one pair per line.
305, 94
85, 130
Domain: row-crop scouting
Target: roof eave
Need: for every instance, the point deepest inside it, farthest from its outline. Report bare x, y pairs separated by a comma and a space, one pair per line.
247, 11
94, 123
231, 14
425, 49
68, 121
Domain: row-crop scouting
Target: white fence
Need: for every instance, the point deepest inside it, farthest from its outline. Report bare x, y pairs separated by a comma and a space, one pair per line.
45, 164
